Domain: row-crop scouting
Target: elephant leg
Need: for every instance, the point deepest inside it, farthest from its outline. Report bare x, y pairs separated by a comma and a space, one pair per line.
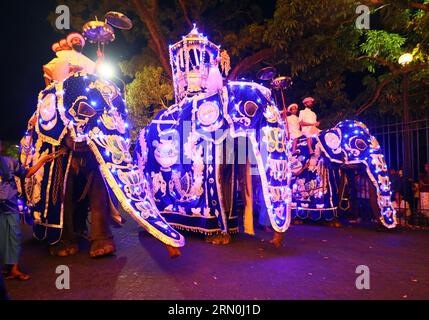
227, 201
173, 252
219, 239
101, 236
277, 239
248, 199
81, 206
67, 246
373, 203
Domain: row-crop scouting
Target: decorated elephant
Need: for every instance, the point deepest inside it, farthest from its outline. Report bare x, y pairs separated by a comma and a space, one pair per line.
181, 152
85, 118
316, 177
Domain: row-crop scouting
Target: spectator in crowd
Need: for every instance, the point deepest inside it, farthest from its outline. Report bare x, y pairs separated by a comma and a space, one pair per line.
362, 195
10, 231
424, 191
363, 198
416, 194
402, 195
406, 193
396, 185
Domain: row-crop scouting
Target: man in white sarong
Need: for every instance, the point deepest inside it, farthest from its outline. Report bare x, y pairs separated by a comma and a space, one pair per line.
293, 125
308, 121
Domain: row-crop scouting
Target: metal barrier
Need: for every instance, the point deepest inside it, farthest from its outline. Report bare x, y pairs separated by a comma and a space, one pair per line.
392, 138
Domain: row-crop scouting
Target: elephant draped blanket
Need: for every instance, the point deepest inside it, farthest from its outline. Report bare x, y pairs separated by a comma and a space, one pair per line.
315, 183
89, 110
182, 153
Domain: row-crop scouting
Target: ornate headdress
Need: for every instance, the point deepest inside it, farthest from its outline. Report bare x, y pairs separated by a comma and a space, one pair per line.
190, 61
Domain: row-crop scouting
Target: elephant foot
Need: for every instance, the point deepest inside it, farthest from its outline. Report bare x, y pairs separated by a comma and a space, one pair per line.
334, 224
173, 252
337, 224
64, 248
101, 248
219, 239
277, 239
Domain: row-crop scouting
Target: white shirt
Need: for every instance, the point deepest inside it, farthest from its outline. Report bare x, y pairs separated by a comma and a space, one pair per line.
294, 127
58, 69
308, 116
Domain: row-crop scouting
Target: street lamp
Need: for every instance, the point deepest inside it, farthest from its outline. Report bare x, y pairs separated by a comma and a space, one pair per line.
404, 60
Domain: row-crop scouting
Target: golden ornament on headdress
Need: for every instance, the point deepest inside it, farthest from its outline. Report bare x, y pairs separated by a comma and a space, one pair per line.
225, 62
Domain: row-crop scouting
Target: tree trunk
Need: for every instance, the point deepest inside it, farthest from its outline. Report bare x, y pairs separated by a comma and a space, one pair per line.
247, 63
393, 75
159, 43
182, 4
412, 4
420, 6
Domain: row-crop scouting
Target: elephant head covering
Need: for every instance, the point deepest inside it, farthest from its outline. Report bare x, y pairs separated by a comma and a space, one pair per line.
194, 61
90, 110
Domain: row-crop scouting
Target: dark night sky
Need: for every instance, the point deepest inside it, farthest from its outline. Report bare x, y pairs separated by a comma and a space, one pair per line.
26, 42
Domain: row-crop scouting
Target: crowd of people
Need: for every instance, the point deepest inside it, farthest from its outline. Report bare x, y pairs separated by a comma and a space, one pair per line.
410, 197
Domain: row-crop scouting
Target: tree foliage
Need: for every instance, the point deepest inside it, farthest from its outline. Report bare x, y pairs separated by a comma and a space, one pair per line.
11, 149
145, 104
400, 28
379, 43
347, 70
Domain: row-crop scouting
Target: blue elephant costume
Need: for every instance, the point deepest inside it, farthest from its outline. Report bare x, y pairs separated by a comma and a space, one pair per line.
316, 178
181, 151
315, 183
185, 151
87, 114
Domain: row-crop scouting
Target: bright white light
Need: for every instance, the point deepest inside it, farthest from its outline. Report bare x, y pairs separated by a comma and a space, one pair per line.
405, 59
106, 70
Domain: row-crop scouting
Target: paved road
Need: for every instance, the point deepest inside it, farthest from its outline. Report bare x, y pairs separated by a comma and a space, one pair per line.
315, 263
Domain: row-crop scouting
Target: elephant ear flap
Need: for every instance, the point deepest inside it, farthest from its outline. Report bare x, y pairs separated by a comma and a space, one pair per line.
85, 110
